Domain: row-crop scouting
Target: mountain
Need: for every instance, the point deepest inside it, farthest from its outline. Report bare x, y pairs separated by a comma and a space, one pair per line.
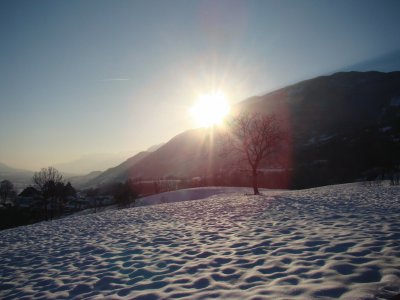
155, 147
20, 178
388, 62
82, 180
335, 104
88, 163
341, 128
344, 127
5, 169
117, 173
189, 154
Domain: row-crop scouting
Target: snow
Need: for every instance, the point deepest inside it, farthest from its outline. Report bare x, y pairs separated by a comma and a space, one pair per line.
189, 194
386, 129
173, 196
326, 137
395, 101
323, 243
321, 138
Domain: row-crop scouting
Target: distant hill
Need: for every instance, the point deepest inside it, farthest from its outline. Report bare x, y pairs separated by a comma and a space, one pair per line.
117, 173
5, 169
88, 163
342, 127
189, 154
20, 178
82, 180
155, 147
385, 63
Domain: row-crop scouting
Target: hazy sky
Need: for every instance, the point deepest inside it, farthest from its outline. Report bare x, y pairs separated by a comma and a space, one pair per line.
84, 77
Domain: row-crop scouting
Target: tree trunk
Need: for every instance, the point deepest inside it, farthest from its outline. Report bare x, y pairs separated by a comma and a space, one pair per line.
255, 183
51, 208
45, 210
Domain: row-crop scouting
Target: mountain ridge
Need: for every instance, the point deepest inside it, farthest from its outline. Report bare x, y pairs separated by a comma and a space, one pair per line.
317, 109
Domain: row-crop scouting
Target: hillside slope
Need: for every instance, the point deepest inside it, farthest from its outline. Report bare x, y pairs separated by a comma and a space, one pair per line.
20, 178
341, 128
335, 242
117, 173
344, 127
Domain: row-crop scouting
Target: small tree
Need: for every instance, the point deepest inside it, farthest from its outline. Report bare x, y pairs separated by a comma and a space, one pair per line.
48, 181
93, 194
125, 194
255, 138
69, 190
6, 190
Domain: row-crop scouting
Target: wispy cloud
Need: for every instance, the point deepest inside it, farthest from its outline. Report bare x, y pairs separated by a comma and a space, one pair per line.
115, 79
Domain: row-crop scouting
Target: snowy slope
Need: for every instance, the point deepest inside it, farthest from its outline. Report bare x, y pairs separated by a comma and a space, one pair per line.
330, 242
190, 194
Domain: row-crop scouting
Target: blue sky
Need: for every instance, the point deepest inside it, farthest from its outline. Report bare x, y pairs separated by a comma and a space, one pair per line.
87, 77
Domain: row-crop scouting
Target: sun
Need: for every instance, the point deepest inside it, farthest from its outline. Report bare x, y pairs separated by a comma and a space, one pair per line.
210, 109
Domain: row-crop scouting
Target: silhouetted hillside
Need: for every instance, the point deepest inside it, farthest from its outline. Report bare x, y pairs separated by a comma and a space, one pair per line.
117, 173
341, 128
344, 126
82, 181
18, 177
188, 154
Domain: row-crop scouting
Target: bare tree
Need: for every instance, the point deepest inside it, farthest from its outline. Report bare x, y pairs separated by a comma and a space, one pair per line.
6, 190
125, 194
255, 138
46, 181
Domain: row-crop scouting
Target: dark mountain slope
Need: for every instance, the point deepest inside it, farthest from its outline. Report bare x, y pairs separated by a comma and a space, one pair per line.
116, 173
342, 127
188, 154
335, 104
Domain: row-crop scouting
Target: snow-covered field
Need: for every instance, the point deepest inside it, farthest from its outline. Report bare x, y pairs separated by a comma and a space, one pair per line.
324, 243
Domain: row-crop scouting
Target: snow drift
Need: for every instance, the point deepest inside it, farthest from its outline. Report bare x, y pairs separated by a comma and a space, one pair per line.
330, 242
